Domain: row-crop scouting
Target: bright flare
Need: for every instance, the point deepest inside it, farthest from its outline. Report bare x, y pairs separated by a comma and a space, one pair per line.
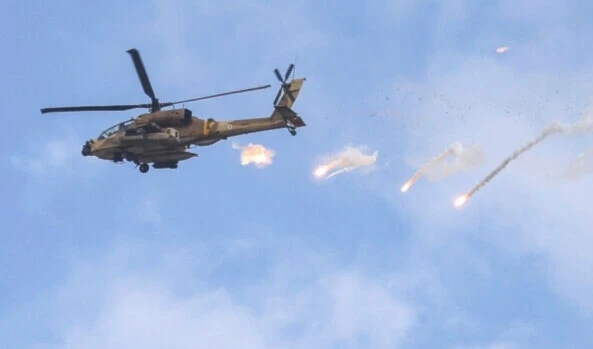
502, 50
406, 186
461, 200
257, 154
349, 159
321, 171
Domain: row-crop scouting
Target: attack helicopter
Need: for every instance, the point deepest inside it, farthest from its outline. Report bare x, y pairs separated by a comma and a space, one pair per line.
162, 137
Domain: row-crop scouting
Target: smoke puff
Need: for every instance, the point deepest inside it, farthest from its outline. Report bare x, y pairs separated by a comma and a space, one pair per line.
463, 160
255, 154
347, 160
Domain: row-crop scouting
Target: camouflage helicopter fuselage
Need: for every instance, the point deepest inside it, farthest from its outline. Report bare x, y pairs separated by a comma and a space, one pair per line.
162, 138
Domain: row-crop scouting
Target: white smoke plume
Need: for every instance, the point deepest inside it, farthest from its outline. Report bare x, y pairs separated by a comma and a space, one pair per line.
426, 167
553, 128
582, 164
437, 168
257, 154
347, 160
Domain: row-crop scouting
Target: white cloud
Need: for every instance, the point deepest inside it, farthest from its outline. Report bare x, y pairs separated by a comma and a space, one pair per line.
516, 335
148, 211
497, 345
150, 308
55, 156
51, 156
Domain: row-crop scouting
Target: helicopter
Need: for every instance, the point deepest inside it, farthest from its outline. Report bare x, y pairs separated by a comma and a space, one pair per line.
162, 137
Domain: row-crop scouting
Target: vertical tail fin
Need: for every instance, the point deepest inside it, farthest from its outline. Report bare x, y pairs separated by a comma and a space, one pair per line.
294, 87
283, 111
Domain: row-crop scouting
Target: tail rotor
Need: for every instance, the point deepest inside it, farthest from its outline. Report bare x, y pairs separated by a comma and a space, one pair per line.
285, 85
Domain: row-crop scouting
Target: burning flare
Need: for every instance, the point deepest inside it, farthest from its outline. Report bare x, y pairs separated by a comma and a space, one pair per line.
256, 154
460, 200
407, 186
349, 159
502, 49
553, 128
432, 162
436, 168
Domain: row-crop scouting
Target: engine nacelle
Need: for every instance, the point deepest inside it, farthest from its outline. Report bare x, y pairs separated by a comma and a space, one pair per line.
166, 118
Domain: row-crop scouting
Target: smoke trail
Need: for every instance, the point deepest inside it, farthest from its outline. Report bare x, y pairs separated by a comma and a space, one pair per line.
464, 159
581, 164
349, 159
549, 130
426, 167
583, 126
437, 168
256, 154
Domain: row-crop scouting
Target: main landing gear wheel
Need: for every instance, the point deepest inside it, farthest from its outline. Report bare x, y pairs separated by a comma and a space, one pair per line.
144, 168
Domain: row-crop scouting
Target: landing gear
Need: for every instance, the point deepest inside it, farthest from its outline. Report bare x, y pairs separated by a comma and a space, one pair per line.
292, 131
144, 168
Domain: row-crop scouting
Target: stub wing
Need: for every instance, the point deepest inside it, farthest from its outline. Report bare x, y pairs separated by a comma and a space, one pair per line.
166, 157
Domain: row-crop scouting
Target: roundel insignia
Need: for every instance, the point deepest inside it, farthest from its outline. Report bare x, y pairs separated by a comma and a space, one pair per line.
229, 126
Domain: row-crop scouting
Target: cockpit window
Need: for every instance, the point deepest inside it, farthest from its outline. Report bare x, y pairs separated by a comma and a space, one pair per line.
115, 128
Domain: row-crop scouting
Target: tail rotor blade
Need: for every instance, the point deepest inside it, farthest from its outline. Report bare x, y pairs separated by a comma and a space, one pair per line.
285, 86
277, 96
290, 68
278, 75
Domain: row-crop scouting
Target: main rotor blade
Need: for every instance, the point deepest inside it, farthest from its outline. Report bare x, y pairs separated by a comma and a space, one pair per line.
94, 108
142, 73
216, 95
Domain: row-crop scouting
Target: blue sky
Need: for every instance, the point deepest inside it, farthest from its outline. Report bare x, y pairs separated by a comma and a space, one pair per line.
215, 254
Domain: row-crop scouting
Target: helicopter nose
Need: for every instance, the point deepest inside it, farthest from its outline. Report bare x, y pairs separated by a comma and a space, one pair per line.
86, 149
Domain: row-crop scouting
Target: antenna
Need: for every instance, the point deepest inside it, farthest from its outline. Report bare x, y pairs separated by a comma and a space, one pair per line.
296, 57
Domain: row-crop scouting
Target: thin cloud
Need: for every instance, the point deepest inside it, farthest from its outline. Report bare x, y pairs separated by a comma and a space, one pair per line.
335, 307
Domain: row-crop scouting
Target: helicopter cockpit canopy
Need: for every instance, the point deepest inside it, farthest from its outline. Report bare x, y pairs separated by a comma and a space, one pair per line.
115, 128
